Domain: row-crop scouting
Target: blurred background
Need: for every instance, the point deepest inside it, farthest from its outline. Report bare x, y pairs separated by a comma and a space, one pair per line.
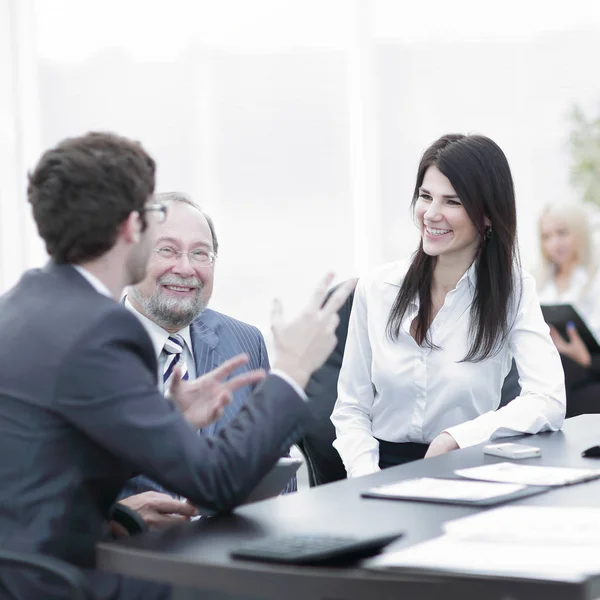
298, 125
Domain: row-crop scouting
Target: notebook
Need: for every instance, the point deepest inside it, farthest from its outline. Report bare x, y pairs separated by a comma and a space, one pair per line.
509, 472
452, 491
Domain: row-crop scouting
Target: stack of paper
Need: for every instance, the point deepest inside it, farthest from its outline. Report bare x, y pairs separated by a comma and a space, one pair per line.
440, 490
533, 542
508, 472
529, 524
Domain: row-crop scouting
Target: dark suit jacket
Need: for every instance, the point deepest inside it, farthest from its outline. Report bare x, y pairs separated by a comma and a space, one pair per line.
80, 413
217, 338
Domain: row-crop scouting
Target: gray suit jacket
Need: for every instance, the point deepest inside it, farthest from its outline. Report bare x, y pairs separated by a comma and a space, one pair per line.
80, 413
216, 338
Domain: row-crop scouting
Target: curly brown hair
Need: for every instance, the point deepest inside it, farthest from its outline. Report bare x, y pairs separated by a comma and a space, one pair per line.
84, 188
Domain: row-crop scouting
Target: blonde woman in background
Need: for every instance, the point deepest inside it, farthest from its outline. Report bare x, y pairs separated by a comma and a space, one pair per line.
569, 275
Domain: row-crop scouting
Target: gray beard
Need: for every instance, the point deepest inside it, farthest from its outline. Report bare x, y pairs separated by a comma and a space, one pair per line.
170, 312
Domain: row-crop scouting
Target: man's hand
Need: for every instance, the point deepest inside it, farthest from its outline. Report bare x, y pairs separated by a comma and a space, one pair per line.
575, 349
203, 400
441, 444
159, 510
304, 344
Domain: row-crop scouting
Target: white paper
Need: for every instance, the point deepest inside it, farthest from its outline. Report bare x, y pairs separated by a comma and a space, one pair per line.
447, 554
534, 542
508, 472
447, 489
530, 524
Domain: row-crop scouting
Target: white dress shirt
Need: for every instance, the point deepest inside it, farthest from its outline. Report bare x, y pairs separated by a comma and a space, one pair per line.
582, 293
98, 285
159, 336
399, 391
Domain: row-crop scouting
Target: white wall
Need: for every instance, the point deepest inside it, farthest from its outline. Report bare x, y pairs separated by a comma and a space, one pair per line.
298, 124
20, 133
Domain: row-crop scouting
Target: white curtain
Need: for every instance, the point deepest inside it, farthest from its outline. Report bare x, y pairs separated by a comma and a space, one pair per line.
20, 136
297, 124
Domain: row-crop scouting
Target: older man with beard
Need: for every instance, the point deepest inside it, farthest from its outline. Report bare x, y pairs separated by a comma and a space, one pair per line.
171, 303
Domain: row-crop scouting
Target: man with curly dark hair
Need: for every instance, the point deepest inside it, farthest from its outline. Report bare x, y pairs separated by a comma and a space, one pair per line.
80, 411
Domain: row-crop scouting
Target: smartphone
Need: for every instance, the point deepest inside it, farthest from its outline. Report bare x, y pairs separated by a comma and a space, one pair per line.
514, 451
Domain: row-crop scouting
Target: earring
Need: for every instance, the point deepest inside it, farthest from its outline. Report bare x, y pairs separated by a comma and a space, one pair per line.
488, 232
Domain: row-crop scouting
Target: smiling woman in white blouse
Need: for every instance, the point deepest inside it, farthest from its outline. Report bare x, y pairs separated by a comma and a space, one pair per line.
431, 341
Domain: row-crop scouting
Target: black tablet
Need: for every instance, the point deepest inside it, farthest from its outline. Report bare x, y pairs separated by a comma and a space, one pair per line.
271, 485
559, 315
274, 482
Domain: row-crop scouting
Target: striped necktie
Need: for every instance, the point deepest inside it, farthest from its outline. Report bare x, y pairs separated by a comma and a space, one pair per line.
174, 352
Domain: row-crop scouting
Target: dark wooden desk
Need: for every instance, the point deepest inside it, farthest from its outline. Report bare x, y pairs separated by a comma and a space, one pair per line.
197, 554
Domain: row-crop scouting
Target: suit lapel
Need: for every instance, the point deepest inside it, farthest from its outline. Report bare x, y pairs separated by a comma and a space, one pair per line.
207, 356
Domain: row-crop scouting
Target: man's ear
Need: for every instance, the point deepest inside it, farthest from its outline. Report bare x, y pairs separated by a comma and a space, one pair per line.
131, 229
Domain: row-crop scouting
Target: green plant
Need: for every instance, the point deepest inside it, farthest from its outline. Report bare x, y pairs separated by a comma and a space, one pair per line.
584, 143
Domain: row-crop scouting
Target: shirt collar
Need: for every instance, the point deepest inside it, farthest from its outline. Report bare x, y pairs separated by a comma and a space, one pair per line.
157, 334
471, 274
396, 275
98, 285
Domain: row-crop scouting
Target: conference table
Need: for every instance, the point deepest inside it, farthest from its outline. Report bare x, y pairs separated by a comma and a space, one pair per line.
197, 554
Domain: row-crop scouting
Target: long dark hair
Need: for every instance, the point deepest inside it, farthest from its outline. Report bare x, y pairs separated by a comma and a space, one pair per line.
479, 173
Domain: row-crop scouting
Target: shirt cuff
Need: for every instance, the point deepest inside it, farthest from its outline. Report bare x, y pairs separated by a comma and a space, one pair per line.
283, 375
465, 435
364, 465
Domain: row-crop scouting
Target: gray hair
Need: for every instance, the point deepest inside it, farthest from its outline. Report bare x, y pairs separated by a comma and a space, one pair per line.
183, 198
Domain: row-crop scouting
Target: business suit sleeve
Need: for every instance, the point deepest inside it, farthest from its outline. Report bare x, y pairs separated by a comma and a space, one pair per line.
107, 390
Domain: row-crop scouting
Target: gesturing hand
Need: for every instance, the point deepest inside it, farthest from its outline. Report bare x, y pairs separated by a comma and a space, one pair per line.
304, 343
575, 348
203, 400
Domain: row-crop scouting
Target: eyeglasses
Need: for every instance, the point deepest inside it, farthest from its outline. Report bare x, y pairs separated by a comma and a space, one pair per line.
159, 209
202, 258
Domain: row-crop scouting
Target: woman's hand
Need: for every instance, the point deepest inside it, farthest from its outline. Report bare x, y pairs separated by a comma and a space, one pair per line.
575, 349
441, 444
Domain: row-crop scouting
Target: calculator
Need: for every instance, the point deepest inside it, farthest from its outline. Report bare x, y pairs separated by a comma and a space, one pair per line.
306, 549
513, 451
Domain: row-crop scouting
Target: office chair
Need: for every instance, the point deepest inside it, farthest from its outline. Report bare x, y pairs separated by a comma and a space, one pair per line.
323, 462
313, 478
511, 387
62, 571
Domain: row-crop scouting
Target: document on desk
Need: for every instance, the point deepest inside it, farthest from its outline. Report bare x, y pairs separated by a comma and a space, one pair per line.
530, 524
532, 542
508, 472
443, 490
